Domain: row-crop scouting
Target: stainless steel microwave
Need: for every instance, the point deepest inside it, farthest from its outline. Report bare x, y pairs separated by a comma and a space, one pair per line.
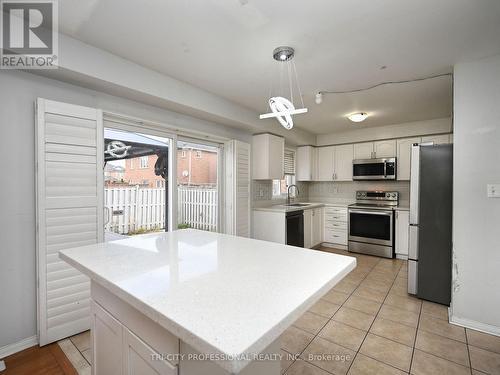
374, 169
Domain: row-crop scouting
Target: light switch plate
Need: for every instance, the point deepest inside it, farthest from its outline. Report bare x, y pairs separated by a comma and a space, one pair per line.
493, 190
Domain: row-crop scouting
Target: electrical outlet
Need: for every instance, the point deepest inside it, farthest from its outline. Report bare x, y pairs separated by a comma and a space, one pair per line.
493, 190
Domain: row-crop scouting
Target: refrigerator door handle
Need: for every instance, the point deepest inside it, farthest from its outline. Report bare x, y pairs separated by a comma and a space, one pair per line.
414, 183
413, 242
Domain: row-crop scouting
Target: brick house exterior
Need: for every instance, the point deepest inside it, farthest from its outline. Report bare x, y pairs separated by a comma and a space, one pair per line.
194, 167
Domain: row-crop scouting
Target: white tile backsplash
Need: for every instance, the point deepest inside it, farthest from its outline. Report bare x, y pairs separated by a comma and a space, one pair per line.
347, 190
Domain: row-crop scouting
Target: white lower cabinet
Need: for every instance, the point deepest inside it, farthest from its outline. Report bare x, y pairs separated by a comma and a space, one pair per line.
118, 351
308, 240
317, 226
107, 338
335, 225
141, 359
402, 227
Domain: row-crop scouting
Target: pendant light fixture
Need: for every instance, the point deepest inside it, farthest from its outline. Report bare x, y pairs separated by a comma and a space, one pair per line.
281, 107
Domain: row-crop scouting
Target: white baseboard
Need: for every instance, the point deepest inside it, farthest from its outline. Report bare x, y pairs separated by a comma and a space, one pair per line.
478, 326
402, 256
18, 346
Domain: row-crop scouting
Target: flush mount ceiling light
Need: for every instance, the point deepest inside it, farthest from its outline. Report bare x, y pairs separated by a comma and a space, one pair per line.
281, 107
358, 117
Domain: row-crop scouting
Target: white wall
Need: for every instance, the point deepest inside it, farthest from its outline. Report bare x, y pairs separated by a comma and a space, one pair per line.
476, 218
407, 129
18, 92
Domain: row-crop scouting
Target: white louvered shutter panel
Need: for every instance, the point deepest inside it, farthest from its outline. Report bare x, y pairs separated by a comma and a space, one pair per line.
289, 162
69, 212
238, 188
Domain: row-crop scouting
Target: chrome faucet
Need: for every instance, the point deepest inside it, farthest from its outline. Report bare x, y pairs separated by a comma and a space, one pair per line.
288, 192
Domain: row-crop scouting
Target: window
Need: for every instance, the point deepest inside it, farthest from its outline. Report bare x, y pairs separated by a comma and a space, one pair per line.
131, 163
183, 154
280, 187
198, 154
143, 162
145, 182
160, 183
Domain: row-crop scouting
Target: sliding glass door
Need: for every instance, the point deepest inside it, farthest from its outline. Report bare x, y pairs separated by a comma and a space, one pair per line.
198, 185
136, 198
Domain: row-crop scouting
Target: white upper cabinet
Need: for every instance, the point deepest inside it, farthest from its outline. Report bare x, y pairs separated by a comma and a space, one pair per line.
384, 149
403, 156
343, 162
379, 149
268, 152
363, 150
305, 163
326, 163
437, 139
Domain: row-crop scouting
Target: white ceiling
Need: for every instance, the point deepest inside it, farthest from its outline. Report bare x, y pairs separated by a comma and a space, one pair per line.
225, 47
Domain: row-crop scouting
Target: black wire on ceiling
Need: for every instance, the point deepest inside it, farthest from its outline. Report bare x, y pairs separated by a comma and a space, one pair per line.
386, 83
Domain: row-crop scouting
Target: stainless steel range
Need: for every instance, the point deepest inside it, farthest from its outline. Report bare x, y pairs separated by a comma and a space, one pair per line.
371, 223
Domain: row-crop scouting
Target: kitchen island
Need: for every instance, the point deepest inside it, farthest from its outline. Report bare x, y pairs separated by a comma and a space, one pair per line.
195, 302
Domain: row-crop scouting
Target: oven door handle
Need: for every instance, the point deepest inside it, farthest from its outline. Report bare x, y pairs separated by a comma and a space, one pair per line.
383, 213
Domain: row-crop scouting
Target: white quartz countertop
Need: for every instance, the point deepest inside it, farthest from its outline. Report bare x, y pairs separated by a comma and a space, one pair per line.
307, 205
221, 294
286, 208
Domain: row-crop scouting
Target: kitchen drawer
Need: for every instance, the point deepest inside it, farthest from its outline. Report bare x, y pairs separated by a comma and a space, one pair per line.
334, 236
336, 209
336, 216
336, 225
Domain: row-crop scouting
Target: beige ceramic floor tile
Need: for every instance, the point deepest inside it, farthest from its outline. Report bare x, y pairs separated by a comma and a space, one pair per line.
427, 364
435, 309
345, 286
354, 318
329, 356
286, 360
398, 315
81, 341
484, 360
362, 304
324, 308
441, 327
311, 322
336, 297
88, 356
401, 290
75, 357
295, 340
364, 365
342, 334
440, 346
387, 351
300, 367
376, 285
370, 294
395, 331
483, 340
403, 302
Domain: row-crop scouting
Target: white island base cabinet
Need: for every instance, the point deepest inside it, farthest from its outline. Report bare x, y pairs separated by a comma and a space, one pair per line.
126, 342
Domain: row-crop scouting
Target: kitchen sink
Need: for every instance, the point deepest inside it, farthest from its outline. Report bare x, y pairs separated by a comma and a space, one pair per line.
297, 204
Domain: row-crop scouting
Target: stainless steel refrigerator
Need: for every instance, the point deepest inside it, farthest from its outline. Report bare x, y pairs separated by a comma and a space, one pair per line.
430, 231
